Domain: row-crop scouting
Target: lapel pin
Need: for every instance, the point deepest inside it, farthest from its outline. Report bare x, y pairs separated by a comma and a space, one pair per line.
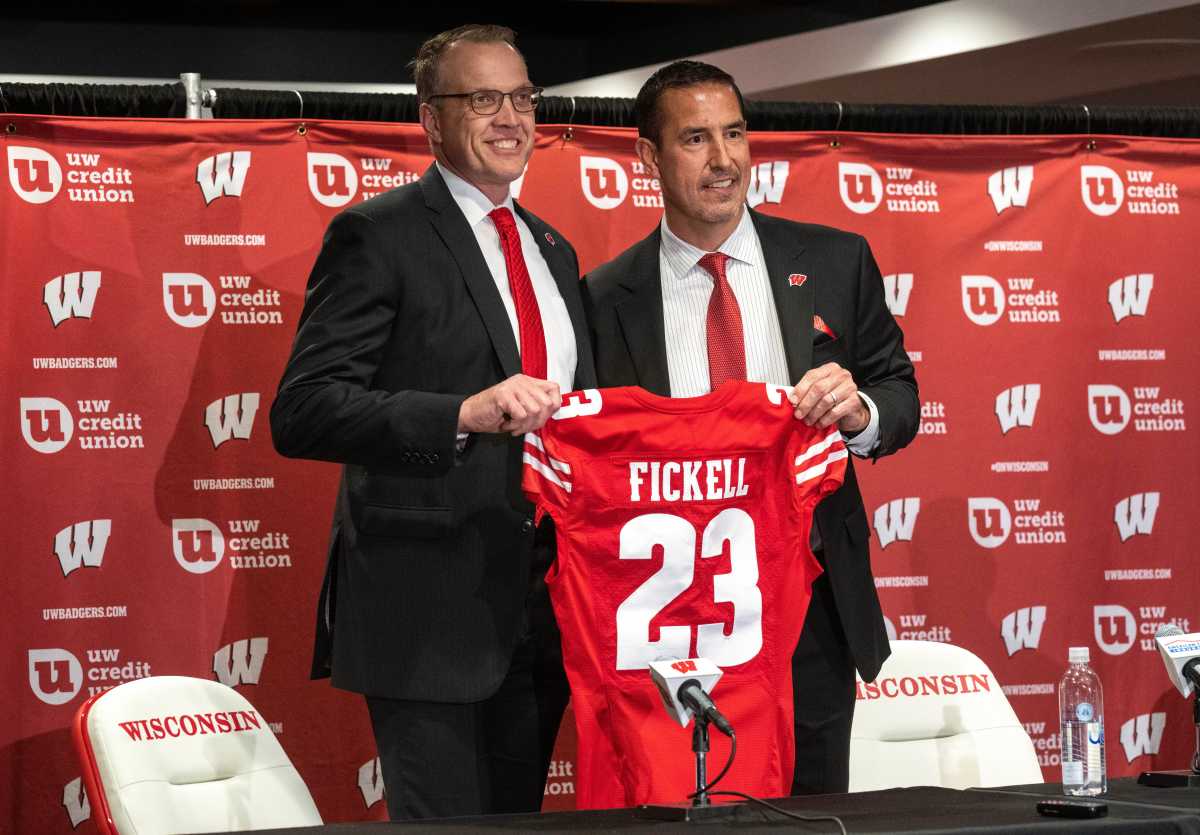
797, 279
550, 239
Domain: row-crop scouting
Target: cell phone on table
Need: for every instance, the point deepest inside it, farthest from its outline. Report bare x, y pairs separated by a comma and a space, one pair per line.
1062, 807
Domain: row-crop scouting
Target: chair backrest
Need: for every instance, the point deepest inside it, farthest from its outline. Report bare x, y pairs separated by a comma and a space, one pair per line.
936, 716
176, 754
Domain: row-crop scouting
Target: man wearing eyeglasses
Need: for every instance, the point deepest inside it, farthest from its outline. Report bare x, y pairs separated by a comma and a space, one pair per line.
441, 323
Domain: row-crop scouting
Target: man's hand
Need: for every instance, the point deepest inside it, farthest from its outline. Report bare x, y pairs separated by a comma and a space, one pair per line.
518, 405
828, 395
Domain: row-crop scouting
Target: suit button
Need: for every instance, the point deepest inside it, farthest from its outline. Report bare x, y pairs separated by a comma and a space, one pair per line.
527, 525
433, 459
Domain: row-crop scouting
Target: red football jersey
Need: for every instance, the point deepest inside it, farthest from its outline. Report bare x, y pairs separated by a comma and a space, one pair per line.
683, 529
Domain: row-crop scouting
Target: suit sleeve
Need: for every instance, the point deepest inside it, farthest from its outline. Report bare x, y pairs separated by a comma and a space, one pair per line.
882, 369
326, 407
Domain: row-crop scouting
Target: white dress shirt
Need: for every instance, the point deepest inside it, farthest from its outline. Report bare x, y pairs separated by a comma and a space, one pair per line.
686, 289
556, 322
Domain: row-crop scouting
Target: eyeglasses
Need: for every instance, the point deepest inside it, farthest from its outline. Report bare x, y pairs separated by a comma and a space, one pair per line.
489, 102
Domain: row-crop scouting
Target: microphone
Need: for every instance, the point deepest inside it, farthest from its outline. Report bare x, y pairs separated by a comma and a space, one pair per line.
684, 685
1180, 651
692, 694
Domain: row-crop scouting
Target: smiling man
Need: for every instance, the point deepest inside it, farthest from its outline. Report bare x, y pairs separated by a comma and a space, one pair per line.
441, 323
717, 292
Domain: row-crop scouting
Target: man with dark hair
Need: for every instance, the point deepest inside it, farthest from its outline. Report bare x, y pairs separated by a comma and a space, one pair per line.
674, 76
719, 291
441, 323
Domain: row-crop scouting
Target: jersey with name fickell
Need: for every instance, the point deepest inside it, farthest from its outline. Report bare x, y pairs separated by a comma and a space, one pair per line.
683, 531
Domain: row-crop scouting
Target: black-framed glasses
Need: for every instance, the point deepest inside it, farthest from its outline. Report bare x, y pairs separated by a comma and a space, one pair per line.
489, 102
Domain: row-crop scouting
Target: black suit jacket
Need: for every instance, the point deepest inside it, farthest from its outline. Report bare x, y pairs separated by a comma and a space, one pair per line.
429, 557
843, 285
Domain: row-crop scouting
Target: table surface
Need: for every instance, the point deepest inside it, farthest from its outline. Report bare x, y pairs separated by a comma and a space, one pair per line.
922, 810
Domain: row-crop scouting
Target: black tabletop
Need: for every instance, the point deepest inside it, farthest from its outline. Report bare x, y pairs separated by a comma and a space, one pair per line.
921, 810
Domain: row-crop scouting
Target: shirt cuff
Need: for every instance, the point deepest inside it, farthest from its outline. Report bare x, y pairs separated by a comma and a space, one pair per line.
460, 442
865, 442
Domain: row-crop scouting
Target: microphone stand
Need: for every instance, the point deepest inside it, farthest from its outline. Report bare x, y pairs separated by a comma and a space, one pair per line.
700, 749
1183, 776
701, 808
1196, 721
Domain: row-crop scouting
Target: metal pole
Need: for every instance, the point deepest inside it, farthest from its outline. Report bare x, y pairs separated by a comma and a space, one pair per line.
700, 746
1196, 722
194, 95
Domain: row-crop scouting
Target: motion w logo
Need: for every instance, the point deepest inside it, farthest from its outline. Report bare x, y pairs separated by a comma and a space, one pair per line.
1135, 515
223, 175
240, 662
896, 519
1016, 406
897, 287
75, 801
82, 544
1142, 735
370, 782
1022, 629
1010, 187
767, 180
231, 417
1130, 295
71, 295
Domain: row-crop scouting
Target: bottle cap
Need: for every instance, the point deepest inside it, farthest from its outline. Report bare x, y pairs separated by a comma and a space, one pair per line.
1079, 655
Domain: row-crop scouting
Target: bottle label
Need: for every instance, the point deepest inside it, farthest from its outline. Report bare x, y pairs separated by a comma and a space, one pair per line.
1072, 773
1084, 712
1095, 749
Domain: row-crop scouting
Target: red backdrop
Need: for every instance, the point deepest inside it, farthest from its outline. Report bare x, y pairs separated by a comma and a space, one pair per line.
154, 269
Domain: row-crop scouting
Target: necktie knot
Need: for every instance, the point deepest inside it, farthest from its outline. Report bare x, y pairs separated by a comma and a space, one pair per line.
503, 220
714, 263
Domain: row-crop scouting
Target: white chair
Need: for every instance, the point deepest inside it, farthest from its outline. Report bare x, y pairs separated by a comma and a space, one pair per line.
936, 716
176, 754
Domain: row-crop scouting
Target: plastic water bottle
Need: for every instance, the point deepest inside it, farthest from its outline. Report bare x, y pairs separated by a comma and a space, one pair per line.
1081, 711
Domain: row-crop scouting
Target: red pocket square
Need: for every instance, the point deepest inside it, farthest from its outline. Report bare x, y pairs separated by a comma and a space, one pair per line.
819, 324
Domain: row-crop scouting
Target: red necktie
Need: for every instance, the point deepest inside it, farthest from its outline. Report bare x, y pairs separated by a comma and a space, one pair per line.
726, 350
529, 318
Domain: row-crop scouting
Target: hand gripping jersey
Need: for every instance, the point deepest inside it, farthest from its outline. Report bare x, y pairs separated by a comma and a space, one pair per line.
683, 529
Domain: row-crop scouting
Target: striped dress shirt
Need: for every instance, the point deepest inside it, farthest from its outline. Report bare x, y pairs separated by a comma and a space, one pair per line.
686, 288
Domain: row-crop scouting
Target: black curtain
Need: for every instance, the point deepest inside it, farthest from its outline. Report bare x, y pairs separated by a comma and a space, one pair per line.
94, 99
233, 103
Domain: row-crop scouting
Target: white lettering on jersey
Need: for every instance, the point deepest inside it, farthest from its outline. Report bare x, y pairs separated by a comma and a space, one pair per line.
681, 481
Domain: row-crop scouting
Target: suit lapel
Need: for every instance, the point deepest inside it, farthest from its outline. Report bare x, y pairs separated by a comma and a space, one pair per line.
566, 276
793, 303
641, 317
452, 227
